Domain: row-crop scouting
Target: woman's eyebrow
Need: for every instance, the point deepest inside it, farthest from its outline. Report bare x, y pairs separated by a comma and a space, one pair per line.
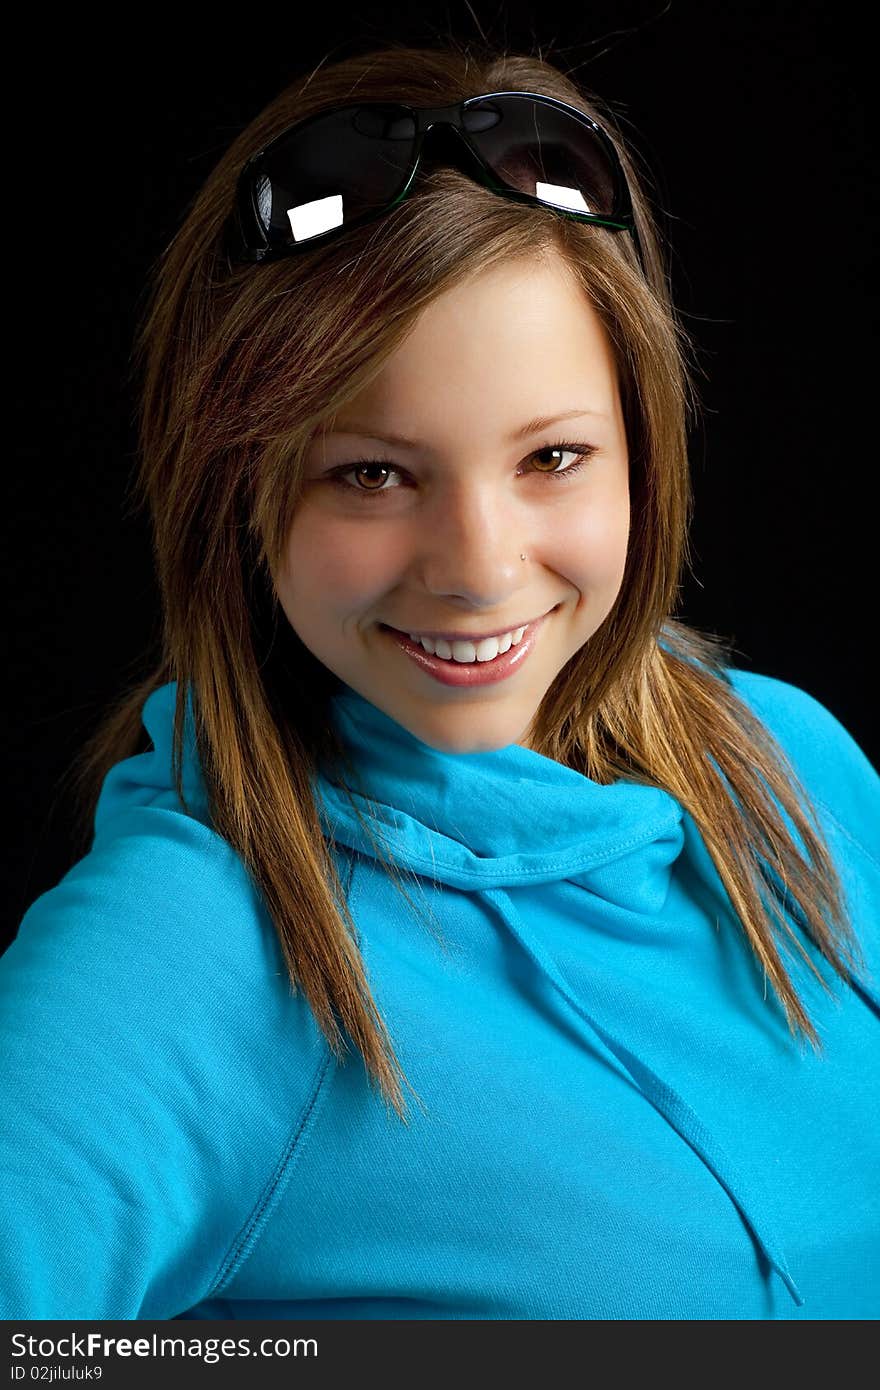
535, 426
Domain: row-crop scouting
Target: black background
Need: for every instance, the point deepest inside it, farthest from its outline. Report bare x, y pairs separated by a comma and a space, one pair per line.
755, 127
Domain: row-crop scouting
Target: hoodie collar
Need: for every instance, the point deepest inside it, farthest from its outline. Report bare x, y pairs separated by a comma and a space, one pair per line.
499, 818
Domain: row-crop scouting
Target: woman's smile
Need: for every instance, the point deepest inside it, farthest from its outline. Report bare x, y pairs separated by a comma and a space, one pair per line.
462, 663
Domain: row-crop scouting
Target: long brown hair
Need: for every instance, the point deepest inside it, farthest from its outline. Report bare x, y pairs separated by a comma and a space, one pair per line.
240, 366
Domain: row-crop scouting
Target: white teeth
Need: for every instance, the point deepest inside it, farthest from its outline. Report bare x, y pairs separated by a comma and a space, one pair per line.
463, 651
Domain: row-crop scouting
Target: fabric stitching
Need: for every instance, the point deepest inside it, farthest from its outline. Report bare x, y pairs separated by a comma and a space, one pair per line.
550, 865
246, 1240
847, 833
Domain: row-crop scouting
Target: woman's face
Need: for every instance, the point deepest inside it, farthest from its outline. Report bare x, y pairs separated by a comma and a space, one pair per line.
498, 374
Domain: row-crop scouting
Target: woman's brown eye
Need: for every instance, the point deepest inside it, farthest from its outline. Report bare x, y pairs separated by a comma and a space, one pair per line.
366, 467
553, 463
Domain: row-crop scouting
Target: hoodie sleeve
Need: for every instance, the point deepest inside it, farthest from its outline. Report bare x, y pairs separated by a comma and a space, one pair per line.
154, 1064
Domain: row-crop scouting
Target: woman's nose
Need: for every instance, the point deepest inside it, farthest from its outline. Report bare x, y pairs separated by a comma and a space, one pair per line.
469, 547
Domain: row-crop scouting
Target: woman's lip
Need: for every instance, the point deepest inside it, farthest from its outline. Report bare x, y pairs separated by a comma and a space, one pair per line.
468, 673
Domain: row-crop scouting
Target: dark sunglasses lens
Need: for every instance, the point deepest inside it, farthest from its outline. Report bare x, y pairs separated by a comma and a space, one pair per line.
333, 170
540, 150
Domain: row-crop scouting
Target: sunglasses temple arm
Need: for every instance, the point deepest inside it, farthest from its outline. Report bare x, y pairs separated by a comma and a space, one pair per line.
638, 245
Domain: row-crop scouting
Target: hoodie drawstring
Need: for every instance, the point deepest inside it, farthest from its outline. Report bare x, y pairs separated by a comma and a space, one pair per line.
667, 1101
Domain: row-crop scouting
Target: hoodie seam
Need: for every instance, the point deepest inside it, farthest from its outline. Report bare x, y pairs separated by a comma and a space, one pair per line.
848, 835
248, 1236
560, 862
554, 864
246, 1240
551, 865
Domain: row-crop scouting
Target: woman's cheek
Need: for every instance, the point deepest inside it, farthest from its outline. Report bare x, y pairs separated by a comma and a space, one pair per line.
347, 563
591, 547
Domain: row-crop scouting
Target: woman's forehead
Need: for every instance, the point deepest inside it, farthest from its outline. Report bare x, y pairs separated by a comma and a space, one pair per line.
516, 347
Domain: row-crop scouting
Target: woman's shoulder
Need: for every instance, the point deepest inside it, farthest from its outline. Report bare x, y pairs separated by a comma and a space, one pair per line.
157, 870
153, 961
824, 754
159, 938
157, 886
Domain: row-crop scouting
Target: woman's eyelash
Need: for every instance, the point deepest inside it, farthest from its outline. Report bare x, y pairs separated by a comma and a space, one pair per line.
584, 453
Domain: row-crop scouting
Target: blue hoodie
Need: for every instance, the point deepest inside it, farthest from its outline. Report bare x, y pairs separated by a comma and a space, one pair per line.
613, 1120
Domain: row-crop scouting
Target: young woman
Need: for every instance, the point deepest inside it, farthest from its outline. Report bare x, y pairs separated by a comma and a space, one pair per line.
457, 933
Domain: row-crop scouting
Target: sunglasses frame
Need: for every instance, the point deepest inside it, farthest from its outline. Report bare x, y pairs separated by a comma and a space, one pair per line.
250, 242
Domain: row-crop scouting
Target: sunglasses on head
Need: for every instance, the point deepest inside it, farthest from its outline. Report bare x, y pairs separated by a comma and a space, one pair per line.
343, 167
